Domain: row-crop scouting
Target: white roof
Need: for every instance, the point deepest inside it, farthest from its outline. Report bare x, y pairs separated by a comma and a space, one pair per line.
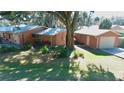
20, 28
51, 31
122, 27
119, 27
114, 26
92, 32
90, 27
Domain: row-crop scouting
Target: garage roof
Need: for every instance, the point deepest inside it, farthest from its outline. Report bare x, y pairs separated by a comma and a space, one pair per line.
92, 32
51, 31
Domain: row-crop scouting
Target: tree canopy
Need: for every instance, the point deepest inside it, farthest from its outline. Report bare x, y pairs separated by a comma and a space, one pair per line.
85, 18
67, 19
118, 20
105, 24
17, 17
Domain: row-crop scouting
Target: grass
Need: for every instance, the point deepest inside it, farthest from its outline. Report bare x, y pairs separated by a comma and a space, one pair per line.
92, 54
32, 65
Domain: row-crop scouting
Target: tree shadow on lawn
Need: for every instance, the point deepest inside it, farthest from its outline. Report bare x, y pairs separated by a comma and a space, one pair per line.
95, 73
51, 70
47, 72
95, 51
57, 69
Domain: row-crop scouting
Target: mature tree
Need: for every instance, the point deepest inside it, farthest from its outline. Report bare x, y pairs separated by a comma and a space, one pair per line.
97, 19
46, 19
82, 19
105, 24
32, 17
117, 20
89, 20
4, 22
17, 17
69, 19
85, 18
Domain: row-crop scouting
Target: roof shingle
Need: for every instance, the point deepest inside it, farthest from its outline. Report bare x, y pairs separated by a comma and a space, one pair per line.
92, 32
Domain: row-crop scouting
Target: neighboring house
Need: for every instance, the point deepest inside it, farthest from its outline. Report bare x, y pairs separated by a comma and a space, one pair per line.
90, 27
97, 38
53, 36
19, 35
118, 29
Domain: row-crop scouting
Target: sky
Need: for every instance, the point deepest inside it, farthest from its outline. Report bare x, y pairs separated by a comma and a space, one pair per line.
109, 13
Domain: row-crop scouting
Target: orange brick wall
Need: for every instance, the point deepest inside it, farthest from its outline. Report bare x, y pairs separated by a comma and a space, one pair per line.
60, 39
81, 38
93, 42
26, 37
45, 38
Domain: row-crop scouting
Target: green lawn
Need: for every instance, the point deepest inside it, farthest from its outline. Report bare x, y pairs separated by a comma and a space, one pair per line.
92, 54
33, 66
107, 61
30, 65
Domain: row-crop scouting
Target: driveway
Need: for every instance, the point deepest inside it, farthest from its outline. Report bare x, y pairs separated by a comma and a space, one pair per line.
119, 52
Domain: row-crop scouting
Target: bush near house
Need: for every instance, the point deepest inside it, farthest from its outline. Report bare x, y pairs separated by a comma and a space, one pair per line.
61, 52
5, 49
75, 54
44, 49
56, 51
26, 47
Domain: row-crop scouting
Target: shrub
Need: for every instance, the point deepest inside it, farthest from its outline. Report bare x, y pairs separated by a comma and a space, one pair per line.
105, 24
61, 52
97, 73
4, 49
12, 49
26, 47
44, 49
75, 54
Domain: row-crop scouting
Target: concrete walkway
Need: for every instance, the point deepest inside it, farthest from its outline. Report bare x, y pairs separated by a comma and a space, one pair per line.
119, 52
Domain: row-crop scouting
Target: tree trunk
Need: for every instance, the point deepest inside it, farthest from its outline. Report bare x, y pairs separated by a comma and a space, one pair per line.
69, 37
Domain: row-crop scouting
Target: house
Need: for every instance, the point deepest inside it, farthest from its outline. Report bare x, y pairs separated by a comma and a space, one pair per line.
97, 38
118, 29
53, 36
89, 27
21, 34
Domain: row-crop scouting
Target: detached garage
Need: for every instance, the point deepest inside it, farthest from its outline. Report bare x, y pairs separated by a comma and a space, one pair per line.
98, 38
